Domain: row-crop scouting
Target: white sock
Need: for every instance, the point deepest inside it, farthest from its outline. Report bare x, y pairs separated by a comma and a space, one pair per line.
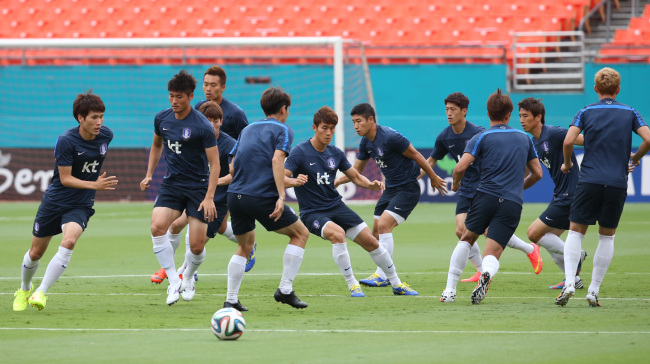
55, 268
175, 240
165, 254
552, 243
519, 244
236, 269
558, 259
457, 263
572, 250
491, 265
385, 240
602, 258
27, 271
228, 233
382, 258
290, 266
193, 263
342, 259
475, 257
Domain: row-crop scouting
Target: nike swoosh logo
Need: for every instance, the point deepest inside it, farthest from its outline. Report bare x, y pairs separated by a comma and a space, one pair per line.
348, 268
546, 217
391, 266
165, 129
159, 251
451, 146
80, 153
311, 164
397, 208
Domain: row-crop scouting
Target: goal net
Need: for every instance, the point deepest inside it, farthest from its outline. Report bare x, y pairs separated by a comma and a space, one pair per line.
41, 78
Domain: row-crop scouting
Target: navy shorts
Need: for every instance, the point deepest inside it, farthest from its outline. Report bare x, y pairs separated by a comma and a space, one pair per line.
51, 216
182, 198
214, 225
244, 210
401, 199
556, 214
593, 202
462, 205
341, 215
500, 215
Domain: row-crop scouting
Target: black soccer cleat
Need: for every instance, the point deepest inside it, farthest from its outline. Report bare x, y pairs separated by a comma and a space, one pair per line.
290, 299
237, 306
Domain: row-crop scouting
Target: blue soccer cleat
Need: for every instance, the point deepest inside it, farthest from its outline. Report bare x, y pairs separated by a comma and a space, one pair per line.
356, 291
375, 281
404, 290
250, 261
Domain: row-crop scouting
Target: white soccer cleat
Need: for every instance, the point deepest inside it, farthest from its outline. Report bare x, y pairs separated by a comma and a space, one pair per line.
592, 299
187, 289
172, 294
564, 296
448, 296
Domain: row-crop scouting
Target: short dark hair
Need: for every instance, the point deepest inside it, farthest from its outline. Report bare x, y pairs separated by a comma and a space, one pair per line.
458, 99
211, 110
85, 103
499, 106
533, 105
273, 99
364, 109
325, 115
216, 71
182, 82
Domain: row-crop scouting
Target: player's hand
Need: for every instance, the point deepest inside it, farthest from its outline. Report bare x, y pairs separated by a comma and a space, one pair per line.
298, 181
337, 182
279, 209
439, 184
631, 165
209, 210
145, 184
422, 173
566, 168
455, 186
377, 185
104, 183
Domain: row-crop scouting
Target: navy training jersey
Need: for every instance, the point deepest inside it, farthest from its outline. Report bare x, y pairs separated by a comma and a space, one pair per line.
502, 154
607, 127
184, 145
320, 167
234, 118
86, 158
386, 150
551, 155
225, 143
253, 155
452, 144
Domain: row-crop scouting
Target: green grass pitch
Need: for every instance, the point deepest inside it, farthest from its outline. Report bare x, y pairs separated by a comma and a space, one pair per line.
105, 309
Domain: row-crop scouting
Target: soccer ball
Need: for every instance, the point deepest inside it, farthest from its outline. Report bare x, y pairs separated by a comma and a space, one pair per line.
228, 324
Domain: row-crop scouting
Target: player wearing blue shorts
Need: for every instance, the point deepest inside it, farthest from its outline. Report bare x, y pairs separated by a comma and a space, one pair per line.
68, 202
257, 193
502, 154
186, 138
234, 120
602, 185
548, 140
400, 164
314, 163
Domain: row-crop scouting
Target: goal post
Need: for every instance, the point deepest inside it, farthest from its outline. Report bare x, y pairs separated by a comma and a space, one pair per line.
130, 74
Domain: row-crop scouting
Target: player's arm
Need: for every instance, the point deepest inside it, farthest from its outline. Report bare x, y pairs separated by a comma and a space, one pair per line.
154, 158
207, 205
534, 172
459, 171
225, 180
644, 148
580, 140
278, 176
567, 147
101, 184
294, 182
362, 181
436, 182
359, 165
432, 162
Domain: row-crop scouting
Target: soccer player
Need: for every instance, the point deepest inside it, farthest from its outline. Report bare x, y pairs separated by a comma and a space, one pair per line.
548, 140
400, 164
234, 120
315, 163
257, 193
503, 154
187, 140
602, 185
452, 141
68, 202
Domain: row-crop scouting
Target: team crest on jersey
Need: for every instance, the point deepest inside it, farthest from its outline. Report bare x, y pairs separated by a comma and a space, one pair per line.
316, 224
545, 146
186, 133
36, 226
331, 163
380, 152
103, 148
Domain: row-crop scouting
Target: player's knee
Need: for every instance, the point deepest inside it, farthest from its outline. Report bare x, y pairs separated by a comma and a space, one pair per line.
459, 232
533, 234
176, 228
158, 230
335, 236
